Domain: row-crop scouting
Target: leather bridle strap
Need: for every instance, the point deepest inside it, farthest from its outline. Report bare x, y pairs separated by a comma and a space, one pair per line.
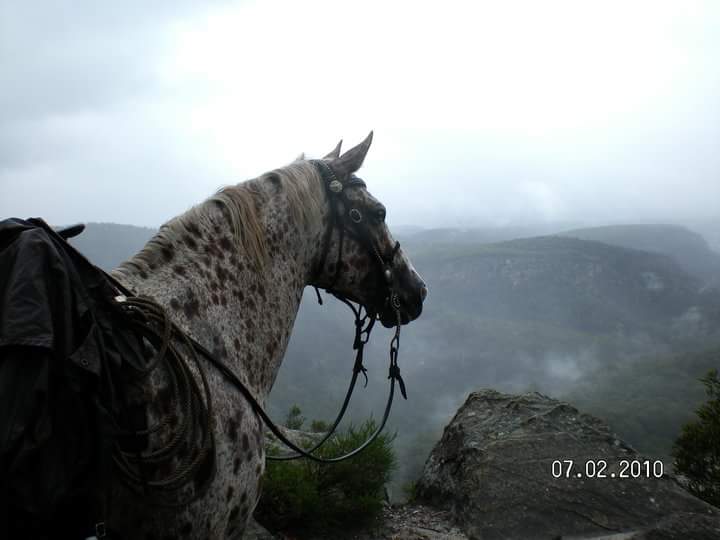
362, 334
228, 373
349, 220
335, 191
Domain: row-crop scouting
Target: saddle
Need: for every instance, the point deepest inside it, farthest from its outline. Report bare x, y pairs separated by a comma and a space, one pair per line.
62, 349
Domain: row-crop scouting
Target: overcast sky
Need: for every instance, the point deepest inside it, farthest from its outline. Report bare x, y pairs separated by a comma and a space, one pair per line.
484, 112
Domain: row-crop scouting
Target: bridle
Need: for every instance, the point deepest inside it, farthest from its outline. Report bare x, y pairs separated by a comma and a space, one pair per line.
151, 322
349, 220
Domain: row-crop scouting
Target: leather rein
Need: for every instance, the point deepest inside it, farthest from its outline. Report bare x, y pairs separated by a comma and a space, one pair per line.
350, 221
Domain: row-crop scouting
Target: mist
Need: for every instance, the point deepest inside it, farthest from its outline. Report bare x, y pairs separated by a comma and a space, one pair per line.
484, 114
503, 133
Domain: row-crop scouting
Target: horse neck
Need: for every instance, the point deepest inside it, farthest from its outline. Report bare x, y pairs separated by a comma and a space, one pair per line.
240, 310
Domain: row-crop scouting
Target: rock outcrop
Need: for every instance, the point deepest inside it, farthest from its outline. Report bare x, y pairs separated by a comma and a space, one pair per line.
493, 470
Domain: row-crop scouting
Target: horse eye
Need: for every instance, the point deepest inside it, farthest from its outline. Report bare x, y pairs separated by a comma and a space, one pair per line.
380, 215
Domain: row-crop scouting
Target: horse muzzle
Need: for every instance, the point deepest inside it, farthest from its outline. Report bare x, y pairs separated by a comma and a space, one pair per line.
412, 292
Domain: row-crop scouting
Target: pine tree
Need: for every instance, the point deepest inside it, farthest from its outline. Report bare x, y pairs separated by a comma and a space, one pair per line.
697, 449
295, 419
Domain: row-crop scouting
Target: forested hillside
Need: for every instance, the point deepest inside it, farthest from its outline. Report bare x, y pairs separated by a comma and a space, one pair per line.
689, 249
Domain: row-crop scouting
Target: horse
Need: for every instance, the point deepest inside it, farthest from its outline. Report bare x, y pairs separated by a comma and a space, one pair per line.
230, 272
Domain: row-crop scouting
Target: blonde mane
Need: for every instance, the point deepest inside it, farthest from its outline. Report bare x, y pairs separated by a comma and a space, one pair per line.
299, 182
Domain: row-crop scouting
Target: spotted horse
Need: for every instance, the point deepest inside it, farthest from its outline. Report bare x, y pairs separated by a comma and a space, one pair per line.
230, 273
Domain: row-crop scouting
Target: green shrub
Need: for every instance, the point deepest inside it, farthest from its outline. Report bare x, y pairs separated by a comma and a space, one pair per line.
311, 497
319, 426
295, 419
697, 449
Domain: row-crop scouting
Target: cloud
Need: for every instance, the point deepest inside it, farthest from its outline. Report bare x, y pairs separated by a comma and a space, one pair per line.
484, 112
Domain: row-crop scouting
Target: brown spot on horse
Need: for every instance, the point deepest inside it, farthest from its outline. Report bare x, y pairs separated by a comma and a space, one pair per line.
190, 242
167, 253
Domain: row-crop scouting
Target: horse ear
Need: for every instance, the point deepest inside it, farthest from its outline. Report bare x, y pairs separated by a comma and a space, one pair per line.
353, 159
301, 157
335, 151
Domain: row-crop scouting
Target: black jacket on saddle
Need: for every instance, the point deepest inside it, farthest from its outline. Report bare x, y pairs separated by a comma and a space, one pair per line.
62, 345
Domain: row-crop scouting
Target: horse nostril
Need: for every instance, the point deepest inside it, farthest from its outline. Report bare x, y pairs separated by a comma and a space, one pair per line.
423, 292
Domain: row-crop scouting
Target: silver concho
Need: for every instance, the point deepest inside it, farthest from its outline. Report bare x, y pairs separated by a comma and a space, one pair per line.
388, 275
355, 215
336, 186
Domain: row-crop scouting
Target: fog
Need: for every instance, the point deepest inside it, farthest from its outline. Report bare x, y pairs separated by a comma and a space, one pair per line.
492, 121
485, 113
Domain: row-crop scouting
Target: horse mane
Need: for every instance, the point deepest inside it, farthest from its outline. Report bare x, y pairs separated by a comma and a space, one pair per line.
301, 184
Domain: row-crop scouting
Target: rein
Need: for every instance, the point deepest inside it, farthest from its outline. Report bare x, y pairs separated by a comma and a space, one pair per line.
339, 203
160, 331
195, 401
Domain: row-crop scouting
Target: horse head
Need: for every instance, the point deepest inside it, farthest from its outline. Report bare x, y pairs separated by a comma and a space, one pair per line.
359, 258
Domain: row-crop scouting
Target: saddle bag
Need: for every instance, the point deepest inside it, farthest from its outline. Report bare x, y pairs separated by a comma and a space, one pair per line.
62, 347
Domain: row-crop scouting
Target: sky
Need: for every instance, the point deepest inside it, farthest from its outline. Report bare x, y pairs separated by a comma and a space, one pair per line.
484, 113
